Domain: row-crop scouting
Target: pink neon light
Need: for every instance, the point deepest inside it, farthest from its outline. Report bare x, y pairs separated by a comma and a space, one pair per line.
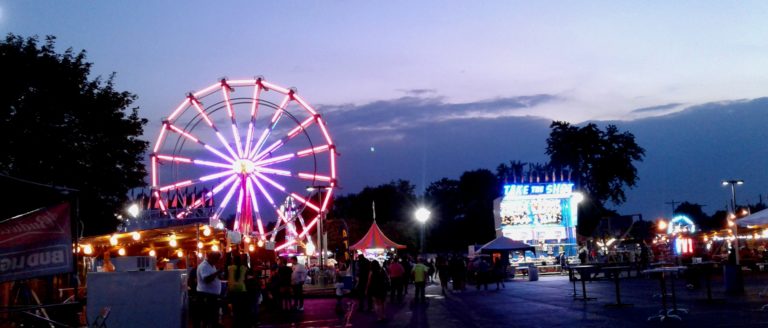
280, 109
256, 100
264, 192
304, 104
327, 198
236, 134
261, 228
221, 186
275, 87
228, 197
248, 137
241, 196
160, 137
333, 163
241, 82
259, 143
153, 160
269, 149
277, 159
309, 176
309, 151
325, 131
225, 90
179, 131
207, 91
270, 181
214, 176
273, 171
218, 153
309, 226
252, 193
306, 202
179, 109
200, 110
226, 145
254, 111
175, 158
213, 164
176, 185
162, 203
287, 243
302, 126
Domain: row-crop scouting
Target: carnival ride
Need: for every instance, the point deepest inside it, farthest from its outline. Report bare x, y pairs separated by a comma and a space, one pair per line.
265, 152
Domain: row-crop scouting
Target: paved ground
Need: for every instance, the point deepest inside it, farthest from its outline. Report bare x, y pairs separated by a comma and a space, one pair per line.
548, 303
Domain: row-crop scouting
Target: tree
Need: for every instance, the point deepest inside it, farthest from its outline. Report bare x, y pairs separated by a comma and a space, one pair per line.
602, 162
59, 127
477, 190
444, 199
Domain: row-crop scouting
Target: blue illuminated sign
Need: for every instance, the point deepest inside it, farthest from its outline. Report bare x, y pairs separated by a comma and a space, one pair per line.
538, 189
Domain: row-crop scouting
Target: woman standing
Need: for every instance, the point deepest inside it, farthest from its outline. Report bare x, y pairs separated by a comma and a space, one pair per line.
377, 289
236, 291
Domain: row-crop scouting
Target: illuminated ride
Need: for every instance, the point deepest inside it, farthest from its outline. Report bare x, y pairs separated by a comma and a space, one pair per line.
255, 144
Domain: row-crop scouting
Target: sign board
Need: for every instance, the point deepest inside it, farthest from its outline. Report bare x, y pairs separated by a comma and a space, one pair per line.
36, 244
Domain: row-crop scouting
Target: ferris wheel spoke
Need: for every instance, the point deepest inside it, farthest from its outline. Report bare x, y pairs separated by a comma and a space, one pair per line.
226, 199
275, 119
198, 106
254, 112
226, 90
306, 202
201, 201
199, 142
255, 206
181, 159
274, 160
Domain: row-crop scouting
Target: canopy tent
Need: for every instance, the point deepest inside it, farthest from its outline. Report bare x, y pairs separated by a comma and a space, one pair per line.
757, 218
505, 244
375, 239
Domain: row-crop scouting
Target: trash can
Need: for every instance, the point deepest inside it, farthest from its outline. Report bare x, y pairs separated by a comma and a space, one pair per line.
533, 273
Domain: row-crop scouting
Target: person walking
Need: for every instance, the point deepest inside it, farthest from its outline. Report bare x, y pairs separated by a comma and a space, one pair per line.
236, 291
419, 273
363, 270
298, 278
396, 277
499, 273
483, 273
377, 289
209, 289
443, 272
284, 274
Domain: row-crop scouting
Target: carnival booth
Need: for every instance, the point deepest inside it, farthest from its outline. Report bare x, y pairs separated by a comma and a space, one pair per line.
375, 245
539, 214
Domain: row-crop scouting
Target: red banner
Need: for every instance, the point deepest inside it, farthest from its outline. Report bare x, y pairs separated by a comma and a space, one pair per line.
36, 244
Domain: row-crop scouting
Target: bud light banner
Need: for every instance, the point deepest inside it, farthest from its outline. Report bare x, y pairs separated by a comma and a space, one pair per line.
36, 244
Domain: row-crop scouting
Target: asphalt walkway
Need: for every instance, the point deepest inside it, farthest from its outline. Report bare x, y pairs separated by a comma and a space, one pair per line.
548, 303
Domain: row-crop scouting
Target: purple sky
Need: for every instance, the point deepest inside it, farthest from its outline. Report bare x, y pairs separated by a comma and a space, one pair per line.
436, 87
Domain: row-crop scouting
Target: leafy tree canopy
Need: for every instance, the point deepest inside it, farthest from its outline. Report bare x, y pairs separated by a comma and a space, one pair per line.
59, 127
602, 162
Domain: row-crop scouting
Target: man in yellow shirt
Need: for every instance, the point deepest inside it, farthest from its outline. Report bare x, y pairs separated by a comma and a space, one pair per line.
419, 273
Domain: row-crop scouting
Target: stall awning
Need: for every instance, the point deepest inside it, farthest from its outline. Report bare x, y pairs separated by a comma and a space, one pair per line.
757, 219
375, 239
505, 244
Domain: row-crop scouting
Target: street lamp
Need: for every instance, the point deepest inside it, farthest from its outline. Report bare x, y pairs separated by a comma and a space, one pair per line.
733, 183
422, 215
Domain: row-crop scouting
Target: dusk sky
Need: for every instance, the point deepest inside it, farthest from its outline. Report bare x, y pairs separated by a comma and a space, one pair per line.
388, 75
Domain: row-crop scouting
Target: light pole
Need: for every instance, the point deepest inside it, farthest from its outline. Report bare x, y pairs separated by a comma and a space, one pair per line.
422, 215
320, 221
733, 183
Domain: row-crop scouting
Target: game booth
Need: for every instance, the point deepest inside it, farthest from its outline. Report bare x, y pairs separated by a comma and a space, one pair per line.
543, 215
375, 245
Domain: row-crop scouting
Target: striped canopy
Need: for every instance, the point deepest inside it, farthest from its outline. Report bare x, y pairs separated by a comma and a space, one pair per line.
375, 239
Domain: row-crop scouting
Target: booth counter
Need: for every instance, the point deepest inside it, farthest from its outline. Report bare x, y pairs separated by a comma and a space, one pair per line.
139, 298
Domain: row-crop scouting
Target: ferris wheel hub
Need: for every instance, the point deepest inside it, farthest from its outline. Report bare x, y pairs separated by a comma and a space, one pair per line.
244, 166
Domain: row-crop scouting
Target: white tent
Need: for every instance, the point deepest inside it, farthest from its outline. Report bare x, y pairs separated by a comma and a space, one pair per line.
754, 219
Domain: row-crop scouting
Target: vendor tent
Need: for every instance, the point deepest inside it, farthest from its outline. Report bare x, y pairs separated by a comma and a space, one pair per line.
757, 218
375, 239
505, 244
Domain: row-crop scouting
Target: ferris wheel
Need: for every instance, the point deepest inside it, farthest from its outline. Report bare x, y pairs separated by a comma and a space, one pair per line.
253, 146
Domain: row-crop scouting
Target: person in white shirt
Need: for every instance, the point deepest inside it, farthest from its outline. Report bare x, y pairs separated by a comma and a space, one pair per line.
298, 277
209, 288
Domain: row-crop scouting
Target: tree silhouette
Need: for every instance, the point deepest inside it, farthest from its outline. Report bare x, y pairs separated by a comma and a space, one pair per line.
58, 127
602, 162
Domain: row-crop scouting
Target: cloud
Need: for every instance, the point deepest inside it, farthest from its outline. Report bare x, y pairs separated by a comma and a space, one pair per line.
659, 108
411, 112
417, 92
